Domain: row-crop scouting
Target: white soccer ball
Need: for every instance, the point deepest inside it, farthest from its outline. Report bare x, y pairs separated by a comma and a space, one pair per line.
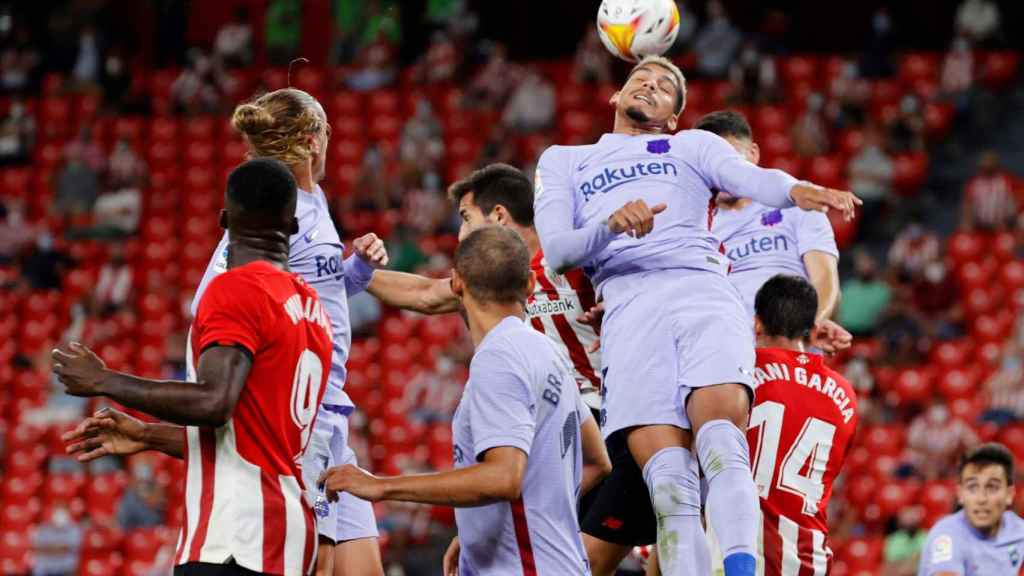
632, 29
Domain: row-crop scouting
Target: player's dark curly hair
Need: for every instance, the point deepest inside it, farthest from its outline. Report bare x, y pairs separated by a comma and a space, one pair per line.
494, 264
262, 187
496, 184
726, 123
989, 454
786, 306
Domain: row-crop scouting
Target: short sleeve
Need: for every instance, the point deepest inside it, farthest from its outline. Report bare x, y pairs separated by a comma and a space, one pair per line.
815, 233
943, 552
502, 410
582, 408
230, 314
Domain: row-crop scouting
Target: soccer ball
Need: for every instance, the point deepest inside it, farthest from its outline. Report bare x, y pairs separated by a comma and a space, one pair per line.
632, 29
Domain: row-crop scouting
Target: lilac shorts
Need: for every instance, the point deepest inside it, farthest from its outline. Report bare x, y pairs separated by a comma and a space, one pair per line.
665, 333
349, 518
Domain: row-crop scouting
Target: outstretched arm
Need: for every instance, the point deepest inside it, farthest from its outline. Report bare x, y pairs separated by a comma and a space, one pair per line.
370, 254
111, 432
498, 477
209, 402
414, 292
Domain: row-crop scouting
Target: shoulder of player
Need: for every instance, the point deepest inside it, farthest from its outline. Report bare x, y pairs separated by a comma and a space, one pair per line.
253, 280
951, 525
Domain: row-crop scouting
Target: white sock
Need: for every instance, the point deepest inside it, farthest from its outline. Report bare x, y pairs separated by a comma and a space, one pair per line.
732, 498
673, 481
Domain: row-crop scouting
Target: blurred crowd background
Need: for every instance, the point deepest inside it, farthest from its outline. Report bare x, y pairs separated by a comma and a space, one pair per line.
114, 146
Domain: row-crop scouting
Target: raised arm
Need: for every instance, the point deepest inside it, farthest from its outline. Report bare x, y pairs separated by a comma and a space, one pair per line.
210, 401
497, 478
565, 246
414, 292
370, 254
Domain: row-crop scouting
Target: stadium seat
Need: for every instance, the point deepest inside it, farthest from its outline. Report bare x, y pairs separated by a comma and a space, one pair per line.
938, 117
572, 96
951, 353
309, 79
958, 383
912, 386
883, 439
999, 68
980, 300
909, 172
15, 548
827, 171
917, 66
799, 68
938, 497
895, 495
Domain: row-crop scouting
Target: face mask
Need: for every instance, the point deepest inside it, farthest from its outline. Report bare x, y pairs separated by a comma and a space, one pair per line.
1011, 363
61, 517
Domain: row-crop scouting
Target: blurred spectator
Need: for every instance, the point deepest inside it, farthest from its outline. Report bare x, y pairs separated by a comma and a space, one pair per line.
717, 42
913, 249
938, 301
490, 86
979, 21
990, 201
440, 62
903, 546
531, 108
876, 61
17, 135
810, 132
15, 232
45, 266
114, 286
425, 208
1004, 391
498, 147
753, 77
901, 329
283, 30
143, 503
202, 86
687, 27
935, 440
870, 172
865, 296
422, 143
125, 168
56, 544
77, 186
906, 131
376, 68
850, 95
592, 63
89, 61
958, 71
233, 45
433, 395
18, 62
116, 81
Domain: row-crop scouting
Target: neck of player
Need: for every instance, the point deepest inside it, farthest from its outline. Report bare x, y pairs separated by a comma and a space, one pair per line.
781, 343
304, 176
633, 124
243, 250
482, 317
529, 234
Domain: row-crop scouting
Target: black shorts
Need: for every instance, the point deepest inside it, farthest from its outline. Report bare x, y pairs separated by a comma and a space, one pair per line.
206, 569
618, 510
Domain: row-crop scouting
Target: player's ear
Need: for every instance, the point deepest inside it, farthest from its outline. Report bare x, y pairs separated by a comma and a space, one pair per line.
532, 283
500, 215
755, 153
673, 121
614, 100
223, 220
293, 227
458, 288
758, 326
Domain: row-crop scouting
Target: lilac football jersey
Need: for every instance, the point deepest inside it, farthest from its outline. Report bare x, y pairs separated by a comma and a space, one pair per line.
955, 547
316, 255
521, 393
579, 187
761, 241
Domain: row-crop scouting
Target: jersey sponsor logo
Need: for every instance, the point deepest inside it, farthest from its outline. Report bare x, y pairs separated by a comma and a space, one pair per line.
771, 218
942, 549
762, 245
551, 307
329, 266
610, 178
661, 146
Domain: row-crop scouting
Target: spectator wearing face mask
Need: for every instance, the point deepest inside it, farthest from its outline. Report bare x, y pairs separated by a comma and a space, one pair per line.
810, 132
865, 297
17, 135
143, 503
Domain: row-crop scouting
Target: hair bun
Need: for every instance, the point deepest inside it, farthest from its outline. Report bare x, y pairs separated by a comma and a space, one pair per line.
251, 119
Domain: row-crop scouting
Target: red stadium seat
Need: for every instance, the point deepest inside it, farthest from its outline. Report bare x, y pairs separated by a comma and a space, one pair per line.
1013, 438
917, 66
952, 353
63, 487
827, 171
309, 79
999, 68
988, 352
799, 68
958, 383
912, 386
15, 549
894, 496
993, 327
384, 102
775, 144
883, 439
909, 172
200, 128
768, 119
938, 117
938, 497
572, 96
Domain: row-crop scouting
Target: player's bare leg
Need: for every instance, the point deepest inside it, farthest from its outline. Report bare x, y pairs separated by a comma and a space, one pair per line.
719, 415
324, 557
604, 557
673, 479
359, 557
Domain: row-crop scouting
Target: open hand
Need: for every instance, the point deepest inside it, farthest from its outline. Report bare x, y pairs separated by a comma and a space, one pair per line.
371, 249
108, 432
830, 337
351, 479
79, 369
820, 199
634, 218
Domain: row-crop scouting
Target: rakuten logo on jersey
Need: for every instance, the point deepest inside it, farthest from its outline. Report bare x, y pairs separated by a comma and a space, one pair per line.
610, 178
761, 245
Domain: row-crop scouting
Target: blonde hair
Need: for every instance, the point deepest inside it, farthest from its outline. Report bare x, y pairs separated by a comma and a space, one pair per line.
668, 65
277, 123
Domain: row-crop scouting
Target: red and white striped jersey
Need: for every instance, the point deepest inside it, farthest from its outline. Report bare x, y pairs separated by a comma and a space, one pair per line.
554, 309
992, 197
801, 426
244, 496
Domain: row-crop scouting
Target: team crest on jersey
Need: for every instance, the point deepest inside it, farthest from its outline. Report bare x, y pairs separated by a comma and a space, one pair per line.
658, 146
771, 218
803, 359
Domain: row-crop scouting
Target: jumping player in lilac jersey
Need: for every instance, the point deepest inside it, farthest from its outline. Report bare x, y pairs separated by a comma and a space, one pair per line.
985, 538
676, 340
518, 461
761, 241
290, 125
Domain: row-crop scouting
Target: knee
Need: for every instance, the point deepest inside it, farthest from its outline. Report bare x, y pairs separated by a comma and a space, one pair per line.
673, 482
722, 446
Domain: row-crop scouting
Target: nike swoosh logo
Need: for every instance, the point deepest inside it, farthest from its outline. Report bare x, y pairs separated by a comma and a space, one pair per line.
581, 167
311, 235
